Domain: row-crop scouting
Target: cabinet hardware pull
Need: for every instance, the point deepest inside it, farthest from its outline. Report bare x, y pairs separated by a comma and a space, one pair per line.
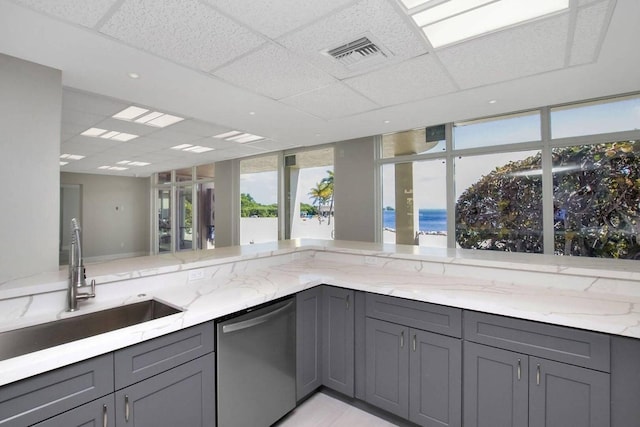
414, 342
538, 374
402, 339
126, 408
104, 416
519, 369
347, 300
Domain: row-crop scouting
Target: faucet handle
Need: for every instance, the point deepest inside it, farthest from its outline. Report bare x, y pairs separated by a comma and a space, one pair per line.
86, 295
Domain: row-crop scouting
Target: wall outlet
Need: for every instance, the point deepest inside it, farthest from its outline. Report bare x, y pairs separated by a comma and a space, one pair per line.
196, 274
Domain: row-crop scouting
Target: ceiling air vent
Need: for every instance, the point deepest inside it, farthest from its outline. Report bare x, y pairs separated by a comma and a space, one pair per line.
357, 53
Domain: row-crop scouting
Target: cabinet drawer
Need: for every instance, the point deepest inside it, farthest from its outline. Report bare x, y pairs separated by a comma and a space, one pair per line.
573, 346
100, 412
416, 314
149, 358
34, 399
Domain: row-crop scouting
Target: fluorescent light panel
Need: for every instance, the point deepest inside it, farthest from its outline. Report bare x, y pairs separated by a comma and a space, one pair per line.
410, 4
143, 116
71, 156
131, 163
471, 18
109, 134
238, 136
93, 132
192, 148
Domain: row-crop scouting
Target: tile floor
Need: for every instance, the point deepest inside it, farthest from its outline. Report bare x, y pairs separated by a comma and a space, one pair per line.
321, 410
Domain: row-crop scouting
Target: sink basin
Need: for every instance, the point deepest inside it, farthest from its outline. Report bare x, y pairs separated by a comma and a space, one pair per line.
33, 338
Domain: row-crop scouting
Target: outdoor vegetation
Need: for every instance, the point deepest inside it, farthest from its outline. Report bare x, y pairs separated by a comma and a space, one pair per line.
596, 191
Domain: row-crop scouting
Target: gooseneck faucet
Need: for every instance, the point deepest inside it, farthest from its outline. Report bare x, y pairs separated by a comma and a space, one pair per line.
77, 278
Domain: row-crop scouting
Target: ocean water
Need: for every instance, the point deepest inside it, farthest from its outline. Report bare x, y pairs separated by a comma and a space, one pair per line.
429, 219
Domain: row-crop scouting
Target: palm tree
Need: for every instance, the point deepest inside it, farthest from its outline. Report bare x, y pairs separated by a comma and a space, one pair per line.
328, 184
320, 196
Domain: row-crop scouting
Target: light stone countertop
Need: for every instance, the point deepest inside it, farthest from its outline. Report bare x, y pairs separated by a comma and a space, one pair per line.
596, 295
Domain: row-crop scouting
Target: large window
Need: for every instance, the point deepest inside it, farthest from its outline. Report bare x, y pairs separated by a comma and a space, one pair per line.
309, 188
559, 180
499, 202
259, 200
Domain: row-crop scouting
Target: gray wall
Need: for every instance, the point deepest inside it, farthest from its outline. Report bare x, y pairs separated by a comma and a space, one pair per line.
355, 190
30, 114
107, 232
227, 203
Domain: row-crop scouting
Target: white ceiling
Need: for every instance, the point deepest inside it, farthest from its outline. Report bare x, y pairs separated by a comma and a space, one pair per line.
258, 67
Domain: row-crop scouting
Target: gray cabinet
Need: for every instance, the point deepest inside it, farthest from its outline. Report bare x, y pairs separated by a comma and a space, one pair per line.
308, 341
526, 388
325, 340
182, 396
35, 399
413, 374
161, 380
99, 413
338, 339
410, 372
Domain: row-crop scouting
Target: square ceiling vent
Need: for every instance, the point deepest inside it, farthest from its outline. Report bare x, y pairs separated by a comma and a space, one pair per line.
359, 54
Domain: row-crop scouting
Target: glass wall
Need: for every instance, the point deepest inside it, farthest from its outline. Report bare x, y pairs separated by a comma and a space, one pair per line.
259, 200
573, 168
184, 201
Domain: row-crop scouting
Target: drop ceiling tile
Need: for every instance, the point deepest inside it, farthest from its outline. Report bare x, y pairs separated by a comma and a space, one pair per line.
125, 126
174, 137
198, 127
331, 102
589, 30
270, 145
184, 31
291, 14
521, 51
412, 80
378, 19
81, 119
87, 13
90, 103
275, 72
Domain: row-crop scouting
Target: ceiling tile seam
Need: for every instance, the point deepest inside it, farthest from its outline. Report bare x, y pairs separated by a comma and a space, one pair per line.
235, 20
238, 58
444, 70
571, 32
108, 15
605, 27
404, 15
319, 18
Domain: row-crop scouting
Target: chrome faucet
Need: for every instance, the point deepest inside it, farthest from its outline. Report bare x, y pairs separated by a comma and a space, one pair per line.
77, 278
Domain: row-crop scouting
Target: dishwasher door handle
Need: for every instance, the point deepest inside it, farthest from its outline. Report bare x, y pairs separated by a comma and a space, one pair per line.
244, 324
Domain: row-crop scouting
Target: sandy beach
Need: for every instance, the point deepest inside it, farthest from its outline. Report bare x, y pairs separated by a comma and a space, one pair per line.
259, 230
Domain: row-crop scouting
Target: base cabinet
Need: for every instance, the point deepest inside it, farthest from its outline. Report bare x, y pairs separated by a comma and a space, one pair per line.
325, 344
413, 374
99, 413
505, 388
183, 396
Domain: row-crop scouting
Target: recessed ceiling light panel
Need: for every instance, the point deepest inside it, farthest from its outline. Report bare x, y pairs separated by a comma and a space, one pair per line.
93, 132
228, 134
130, 113
457, 20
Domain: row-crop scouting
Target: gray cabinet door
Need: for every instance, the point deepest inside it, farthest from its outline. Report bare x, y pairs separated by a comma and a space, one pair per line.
435, 380
308, 341
99, 413
495, 387
338, 340
183, 396
563, 395
387, 366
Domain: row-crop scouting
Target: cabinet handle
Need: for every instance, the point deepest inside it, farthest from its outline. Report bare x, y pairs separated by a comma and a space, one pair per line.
538, 374
519, 369
402, 339
126, 408
414, 342
347, 300
104, 416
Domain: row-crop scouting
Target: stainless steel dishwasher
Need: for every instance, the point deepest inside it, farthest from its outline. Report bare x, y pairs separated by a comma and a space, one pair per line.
256, 369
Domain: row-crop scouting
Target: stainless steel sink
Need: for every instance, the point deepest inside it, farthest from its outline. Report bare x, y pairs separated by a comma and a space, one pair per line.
33, 338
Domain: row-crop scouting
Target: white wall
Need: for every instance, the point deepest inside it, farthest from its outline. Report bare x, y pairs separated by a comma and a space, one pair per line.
355, 190
30, 115
115, 215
